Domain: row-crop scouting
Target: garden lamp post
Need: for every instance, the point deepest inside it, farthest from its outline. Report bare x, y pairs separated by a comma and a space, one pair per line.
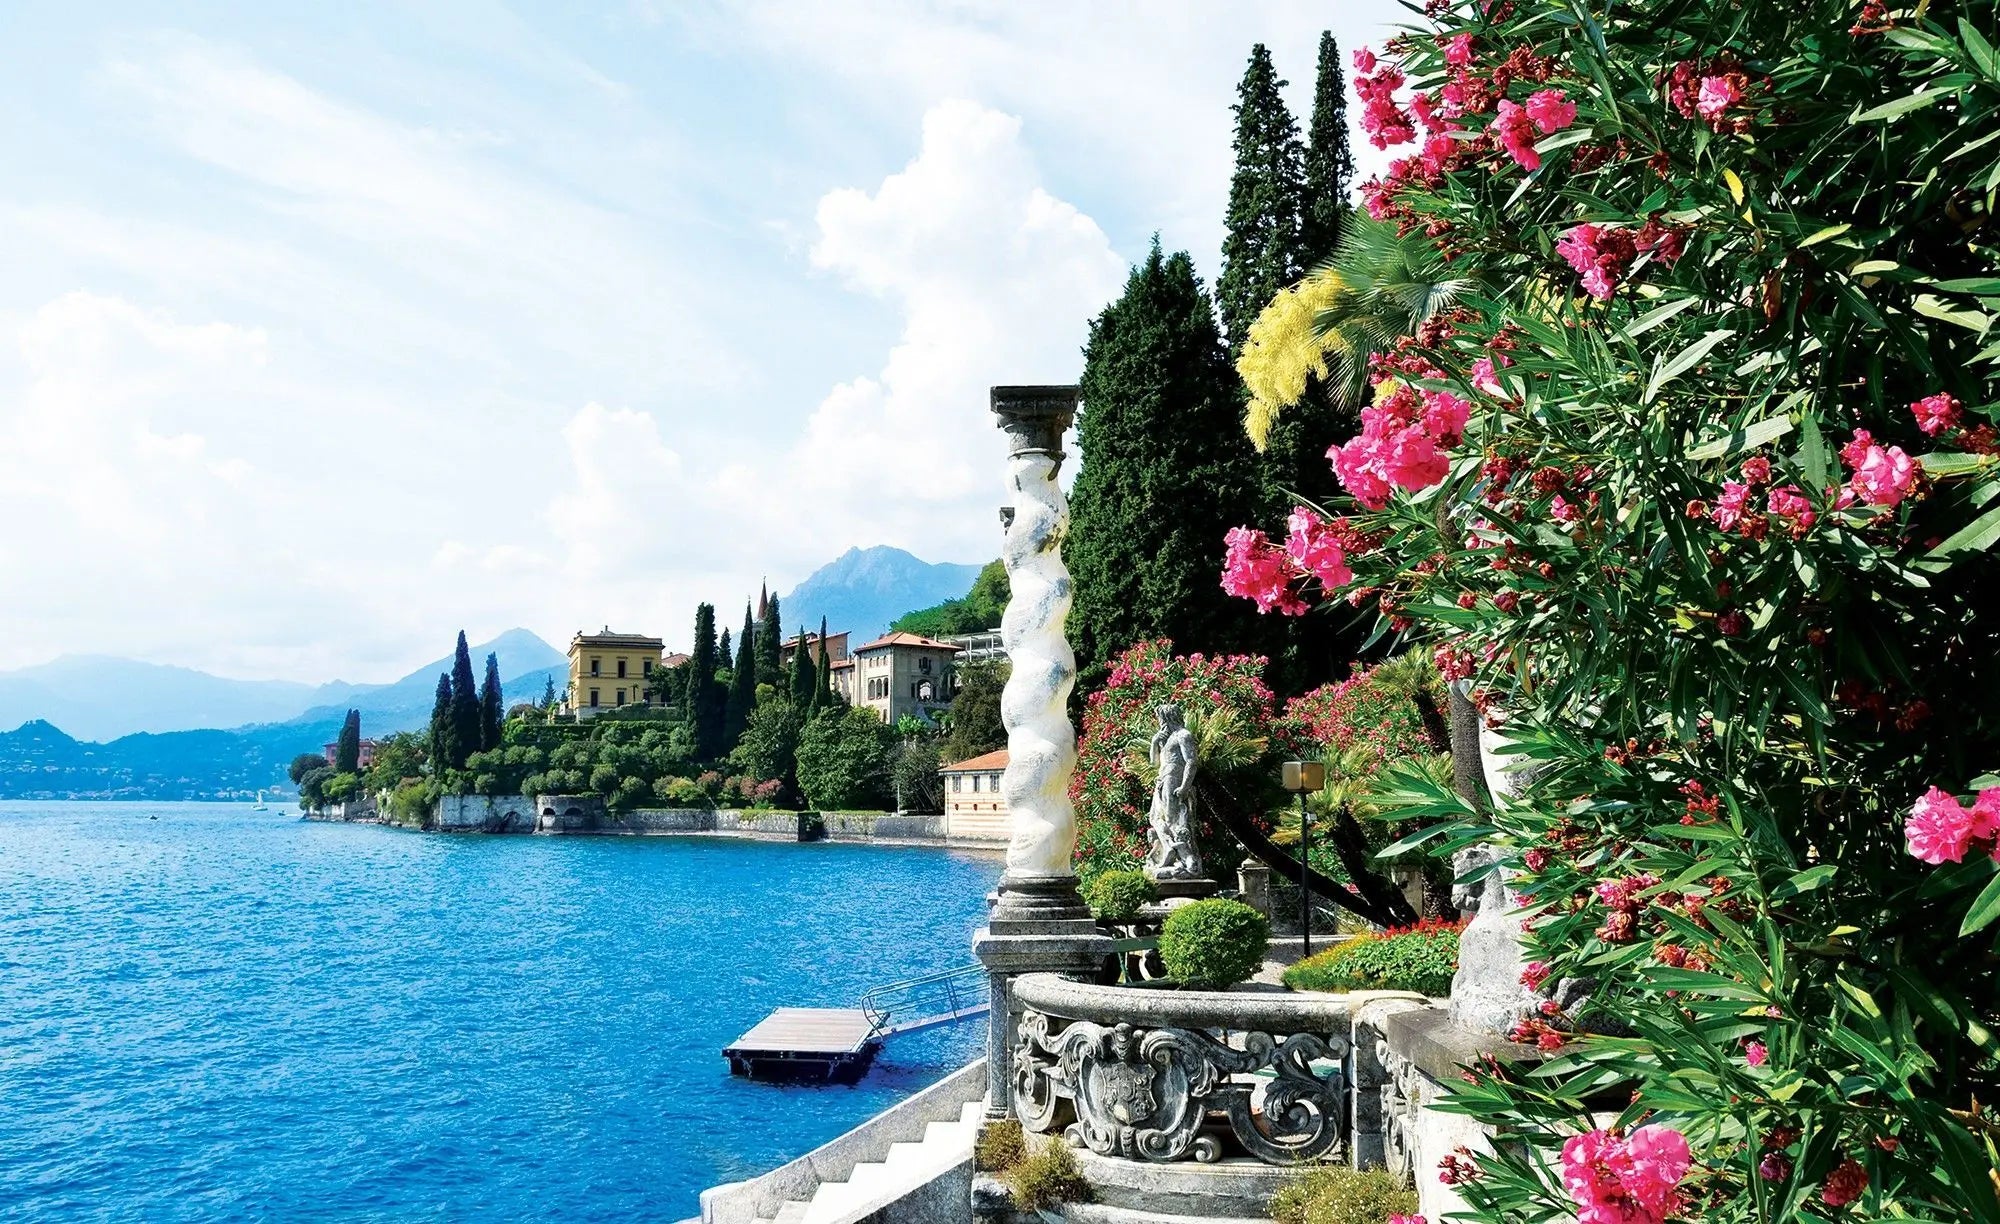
1301, 777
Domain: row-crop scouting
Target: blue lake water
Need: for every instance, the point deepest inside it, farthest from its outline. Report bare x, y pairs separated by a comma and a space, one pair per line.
212, 1013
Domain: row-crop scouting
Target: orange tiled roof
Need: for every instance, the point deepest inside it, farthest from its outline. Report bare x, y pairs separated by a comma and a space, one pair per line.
900, 638
996, 759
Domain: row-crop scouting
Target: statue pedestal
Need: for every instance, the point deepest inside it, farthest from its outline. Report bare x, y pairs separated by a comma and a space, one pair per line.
1038, 924
1176, 893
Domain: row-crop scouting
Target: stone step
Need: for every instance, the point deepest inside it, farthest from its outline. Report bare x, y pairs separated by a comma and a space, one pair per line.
1098, 1213
875, 1184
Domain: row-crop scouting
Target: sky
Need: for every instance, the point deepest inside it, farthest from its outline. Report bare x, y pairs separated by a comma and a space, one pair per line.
329, 330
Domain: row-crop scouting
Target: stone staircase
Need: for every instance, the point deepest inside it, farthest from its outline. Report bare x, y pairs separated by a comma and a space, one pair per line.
879, 1188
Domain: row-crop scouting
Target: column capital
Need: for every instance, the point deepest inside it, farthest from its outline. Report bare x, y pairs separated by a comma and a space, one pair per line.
1035, 418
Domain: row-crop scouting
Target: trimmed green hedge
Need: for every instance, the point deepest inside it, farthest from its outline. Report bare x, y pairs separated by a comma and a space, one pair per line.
1117, 896
1215, 943
1420, 958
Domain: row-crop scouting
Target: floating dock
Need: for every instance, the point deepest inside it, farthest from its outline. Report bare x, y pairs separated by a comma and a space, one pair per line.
807, 1043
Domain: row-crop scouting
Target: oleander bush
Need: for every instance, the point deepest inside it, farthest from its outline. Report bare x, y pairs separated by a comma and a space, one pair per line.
1118, 896
1694, 488
1420, 958
1331, 1194
1214, 943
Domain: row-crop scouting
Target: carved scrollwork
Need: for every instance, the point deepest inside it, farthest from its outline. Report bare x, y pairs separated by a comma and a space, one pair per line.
1402, 1100
1148, 1093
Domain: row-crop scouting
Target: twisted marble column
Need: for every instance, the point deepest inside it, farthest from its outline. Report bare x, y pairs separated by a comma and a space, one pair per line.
1034, 707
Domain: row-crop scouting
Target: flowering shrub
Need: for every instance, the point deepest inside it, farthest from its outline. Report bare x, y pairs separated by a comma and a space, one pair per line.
1713, 544
1421, 958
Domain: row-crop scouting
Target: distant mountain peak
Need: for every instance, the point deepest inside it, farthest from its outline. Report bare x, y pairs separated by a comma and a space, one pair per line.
863, 589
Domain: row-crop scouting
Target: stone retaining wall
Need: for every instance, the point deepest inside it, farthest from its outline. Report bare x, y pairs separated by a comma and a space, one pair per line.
484, 814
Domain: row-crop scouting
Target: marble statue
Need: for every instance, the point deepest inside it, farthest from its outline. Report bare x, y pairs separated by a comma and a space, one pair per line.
1171, 854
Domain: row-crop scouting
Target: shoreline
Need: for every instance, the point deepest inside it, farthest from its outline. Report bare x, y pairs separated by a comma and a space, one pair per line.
802, 828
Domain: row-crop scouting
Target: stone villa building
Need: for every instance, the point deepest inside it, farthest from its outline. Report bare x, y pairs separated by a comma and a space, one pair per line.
608, 670
898, 674
974, 808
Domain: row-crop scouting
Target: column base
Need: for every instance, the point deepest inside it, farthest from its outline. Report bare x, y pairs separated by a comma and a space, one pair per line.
1039, 905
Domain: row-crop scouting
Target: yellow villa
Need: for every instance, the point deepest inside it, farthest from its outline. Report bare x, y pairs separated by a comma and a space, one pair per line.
608, 670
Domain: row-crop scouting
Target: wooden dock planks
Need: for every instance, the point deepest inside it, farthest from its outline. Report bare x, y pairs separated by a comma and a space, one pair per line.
835, 1043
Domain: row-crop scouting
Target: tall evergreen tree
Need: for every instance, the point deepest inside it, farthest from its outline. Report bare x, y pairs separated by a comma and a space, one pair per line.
464, 705
440, 737
491, 709
549, 694
1262, 252
706, 701
347, 748
742, 685
726, 651
804, 676
823, 677
1329, 162
770, 642
1166, 472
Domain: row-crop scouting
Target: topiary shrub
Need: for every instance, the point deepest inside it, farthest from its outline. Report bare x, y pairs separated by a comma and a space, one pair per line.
1420, 958
1047, 1178
1215, 943
1333, 1195
1117, 896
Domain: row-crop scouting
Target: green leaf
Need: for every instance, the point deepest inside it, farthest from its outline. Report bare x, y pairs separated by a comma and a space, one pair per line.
1831, 231
1656, 316
1978, 285
1815, 459
1977, 536
1743, 439
1932, 306
1684, 361
1903, 105
1805, 881
1985, 908
1979, 50
1939, 465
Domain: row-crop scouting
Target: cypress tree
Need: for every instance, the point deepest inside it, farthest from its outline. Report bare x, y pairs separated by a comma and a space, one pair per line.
770, 639
491, 710
726, 651
347, 748
464, 706
549, 694
1166, 472
440, 739
1329, 162
803, 675
823, 678
705, 701
1262, 252
742, 685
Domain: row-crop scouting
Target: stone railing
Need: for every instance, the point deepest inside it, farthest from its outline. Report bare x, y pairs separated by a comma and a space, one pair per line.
1137, 1073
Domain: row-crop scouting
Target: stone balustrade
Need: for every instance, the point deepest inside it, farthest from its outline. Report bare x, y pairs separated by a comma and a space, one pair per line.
1145, 1074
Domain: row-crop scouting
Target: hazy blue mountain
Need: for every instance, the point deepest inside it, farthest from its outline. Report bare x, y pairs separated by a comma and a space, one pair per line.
864, 589
42, 761
98, 697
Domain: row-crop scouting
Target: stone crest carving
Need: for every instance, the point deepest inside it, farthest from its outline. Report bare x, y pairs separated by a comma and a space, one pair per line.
1171, 853
1146, 1093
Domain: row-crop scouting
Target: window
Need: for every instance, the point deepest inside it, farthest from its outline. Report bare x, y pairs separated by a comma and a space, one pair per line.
621, 669
621, 696
594, 665
645, 667
958, 783
924, 665
993, 783
593, 699
975, 784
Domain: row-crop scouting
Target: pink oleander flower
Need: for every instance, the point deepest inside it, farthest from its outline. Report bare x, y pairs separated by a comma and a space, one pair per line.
1757, 470
1458, 52
1353, 463
1364, 61
1659, 1160
1534, 975
1775, 1167
1413, 461
1789, 502
1884, 476
1313, 544
1407, 1219
1728, 511
1561, 511
1625, 1181
1845, 1184
1551, 110
1940, 829
1936, 413
1514, 130
1253, 569
1445, 416
1600, 255
1718, 94
1756, 1054
1485, 379
1857, 448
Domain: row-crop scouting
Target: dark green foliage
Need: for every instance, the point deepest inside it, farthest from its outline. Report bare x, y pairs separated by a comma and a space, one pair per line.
347, 748
805, 678
975, 711
769, 748
549, 694
978, 612
1214, 944
770, 639
464, 706
1047, 1177
1329, 163
398, 755
726, 651
844, 760
1117, 896
1422, 958
742, 686
440, 728
913, 771
1263, 251
1161, 417
704, 699
1334, 1195
490, 712
303, 764
823, 674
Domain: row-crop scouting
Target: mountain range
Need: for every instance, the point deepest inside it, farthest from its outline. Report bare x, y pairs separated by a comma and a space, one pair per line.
864, 589
99, 727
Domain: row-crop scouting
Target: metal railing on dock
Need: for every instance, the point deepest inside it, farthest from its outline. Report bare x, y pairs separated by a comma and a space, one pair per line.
926, 1002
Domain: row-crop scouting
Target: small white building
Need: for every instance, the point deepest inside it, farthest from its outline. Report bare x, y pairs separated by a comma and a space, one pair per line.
974, 808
